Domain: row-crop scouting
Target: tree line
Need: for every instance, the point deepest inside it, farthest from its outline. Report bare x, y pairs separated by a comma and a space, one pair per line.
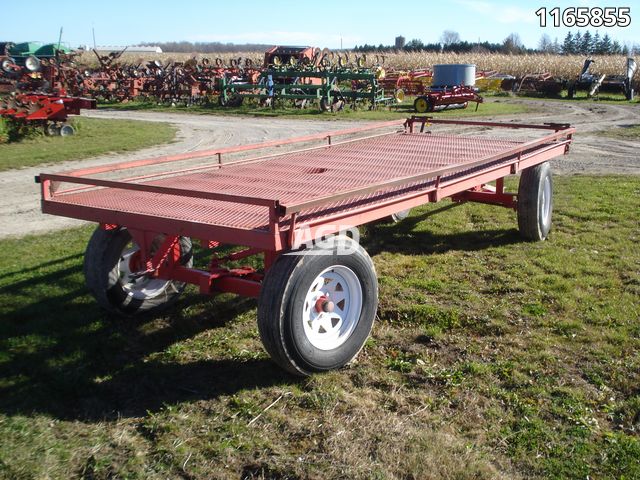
207, 47
574, 44
578, 43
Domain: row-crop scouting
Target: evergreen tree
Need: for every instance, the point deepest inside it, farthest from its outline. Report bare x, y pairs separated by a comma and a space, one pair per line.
586, 44
604, 47
595, 43
577, 43
616, 49
568, 46
414, 45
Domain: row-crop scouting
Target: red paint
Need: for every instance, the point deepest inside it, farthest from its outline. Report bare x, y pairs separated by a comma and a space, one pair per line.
270, 203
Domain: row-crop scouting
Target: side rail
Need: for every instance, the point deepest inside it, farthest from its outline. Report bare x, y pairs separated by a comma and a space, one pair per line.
219, 154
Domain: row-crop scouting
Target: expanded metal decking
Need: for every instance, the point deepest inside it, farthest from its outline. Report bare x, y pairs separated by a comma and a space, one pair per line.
314, 185
316, 287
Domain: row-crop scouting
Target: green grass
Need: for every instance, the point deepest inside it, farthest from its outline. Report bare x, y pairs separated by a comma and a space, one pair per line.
609, 98
624, 132
93, 137
491, 358
491, 107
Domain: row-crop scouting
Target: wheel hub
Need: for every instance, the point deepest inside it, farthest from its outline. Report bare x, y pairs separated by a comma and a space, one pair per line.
323, 304
332, 307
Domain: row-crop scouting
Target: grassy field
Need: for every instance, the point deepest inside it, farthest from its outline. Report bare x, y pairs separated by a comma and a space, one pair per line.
626, 132
493, 106
491, 358
93, 137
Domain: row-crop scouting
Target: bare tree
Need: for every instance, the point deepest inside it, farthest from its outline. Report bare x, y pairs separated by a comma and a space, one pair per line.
512, 44
545, 44
449, 37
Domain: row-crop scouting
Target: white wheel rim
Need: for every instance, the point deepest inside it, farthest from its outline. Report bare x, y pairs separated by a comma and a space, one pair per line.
546, 199
140, 288
327, 330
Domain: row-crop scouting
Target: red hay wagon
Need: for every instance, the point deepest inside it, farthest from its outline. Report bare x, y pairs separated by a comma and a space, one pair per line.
317, 294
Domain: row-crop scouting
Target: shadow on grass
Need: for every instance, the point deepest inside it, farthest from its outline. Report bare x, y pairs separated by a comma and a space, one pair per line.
62, 356
403, 238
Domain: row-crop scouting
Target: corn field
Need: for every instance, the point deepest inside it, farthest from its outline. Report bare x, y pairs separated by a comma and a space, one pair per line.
562, 66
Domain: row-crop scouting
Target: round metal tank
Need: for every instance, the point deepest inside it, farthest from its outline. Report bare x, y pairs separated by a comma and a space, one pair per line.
454, 74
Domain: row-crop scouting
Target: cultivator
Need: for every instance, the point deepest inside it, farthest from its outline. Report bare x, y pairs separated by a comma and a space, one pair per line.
297, 75
534, 83
446, 98
593, 83
50, 112
306, 74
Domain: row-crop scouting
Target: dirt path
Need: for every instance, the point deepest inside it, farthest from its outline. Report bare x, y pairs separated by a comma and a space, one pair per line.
590, 153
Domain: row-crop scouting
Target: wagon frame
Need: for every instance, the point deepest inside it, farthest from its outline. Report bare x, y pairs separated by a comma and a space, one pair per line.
143, 242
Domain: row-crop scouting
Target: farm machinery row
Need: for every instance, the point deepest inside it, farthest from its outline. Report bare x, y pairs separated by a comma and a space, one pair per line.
32, 78
299, 75
296, 75
587, 81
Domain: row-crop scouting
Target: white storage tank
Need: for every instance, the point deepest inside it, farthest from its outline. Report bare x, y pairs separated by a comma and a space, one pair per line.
454, 74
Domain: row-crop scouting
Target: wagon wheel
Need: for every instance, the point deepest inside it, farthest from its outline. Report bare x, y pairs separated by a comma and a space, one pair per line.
334, 103
110, 261
52, 130
422, 104
361, 61
399, 95
300, 103
399, 216
67, 130
535, 202
325, 106
317, 306
237, 100
7, 65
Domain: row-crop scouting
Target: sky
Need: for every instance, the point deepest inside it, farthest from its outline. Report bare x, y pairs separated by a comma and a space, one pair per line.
325, 23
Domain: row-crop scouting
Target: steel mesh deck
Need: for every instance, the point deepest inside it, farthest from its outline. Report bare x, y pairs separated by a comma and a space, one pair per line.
297, 177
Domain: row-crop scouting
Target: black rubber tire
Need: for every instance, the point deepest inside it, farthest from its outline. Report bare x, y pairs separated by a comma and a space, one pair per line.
399, 216
534, 220
281, 302
236, 100
101, 274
